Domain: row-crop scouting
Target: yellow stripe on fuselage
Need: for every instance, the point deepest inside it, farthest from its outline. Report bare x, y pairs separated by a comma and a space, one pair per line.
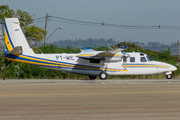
146, 66
7, 42
85, 55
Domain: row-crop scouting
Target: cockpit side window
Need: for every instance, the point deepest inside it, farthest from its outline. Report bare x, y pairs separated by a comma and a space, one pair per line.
143, 59
149, 58
132, 59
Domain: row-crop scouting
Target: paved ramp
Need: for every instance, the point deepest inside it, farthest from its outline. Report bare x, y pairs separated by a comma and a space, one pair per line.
83, 100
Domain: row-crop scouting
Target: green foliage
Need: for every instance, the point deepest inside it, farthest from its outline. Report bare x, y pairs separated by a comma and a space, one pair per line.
34, 34
54, 49
24, 18
102, 48
5, 12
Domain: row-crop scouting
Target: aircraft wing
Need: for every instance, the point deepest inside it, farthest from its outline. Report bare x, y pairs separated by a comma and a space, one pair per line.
112, 52
91, 54
90, 57
109, 53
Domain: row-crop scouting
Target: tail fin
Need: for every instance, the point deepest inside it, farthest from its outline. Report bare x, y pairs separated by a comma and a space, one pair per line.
15, 38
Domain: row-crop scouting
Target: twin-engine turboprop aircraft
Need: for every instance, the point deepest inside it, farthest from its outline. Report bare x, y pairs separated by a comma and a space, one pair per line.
88, 62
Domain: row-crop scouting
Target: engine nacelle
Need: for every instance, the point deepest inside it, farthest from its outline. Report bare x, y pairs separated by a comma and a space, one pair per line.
113, 59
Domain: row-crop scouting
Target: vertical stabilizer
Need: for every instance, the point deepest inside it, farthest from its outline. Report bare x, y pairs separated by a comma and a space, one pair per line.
14, 36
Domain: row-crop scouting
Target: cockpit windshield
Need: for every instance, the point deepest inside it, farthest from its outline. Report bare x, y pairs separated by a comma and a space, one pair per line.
149, 58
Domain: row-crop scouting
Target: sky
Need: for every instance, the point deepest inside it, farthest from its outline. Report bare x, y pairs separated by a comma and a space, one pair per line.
119, 12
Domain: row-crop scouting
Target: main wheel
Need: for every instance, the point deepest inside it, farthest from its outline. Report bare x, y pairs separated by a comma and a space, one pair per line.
103, 75
92, 77
169, 76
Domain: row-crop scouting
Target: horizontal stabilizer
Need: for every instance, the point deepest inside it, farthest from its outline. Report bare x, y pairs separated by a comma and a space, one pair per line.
16, 50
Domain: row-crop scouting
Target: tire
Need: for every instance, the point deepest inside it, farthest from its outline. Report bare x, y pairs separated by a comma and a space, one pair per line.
169, 76
92, 77
103, 75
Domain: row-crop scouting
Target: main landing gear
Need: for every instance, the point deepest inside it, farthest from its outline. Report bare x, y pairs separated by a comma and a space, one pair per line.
103, 75
92, 77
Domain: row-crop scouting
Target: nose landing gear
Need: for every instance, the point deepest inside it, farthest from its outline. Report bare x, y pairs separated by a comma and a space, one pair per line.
169, 76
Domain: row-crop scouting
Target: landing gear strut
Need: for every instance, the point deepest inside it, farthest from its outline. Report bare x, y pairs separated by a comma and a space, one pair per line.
103, 75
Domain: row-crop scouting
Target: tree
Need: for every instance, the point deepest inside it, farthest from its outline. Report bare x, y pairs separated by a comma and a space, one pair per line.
5, 12
33, 33
24, 17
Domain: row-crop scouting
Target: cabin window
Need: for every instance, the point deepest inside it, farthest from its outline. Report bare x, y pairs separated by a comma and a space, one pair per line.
149, 58
132, 59
143, 59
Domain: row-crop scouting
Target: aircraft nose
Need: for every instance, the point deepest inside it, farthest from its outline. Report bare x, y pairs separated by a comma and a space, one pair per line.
173, 68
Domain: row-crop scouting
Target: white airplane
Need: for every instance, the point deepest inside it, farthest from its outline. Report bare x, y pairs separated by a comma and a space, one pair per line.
88, 62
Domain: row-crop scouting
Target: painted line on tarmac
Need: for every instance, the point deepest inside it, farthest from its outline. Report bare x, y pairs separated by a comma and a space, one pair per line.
87, 108
69, 81
93, 93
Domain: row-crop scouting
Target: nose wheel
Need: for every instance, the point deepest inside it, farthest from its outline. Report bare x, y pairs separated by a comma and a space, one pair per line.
169, 76
103, 75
